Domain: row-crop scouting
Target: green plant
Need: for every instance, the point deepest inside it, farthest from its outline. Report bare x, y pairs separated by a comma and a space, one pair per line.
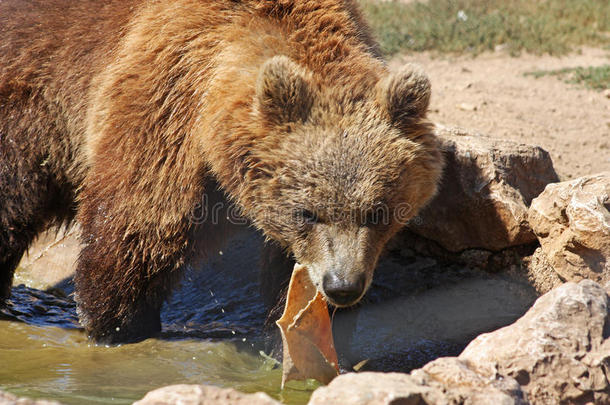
593, 77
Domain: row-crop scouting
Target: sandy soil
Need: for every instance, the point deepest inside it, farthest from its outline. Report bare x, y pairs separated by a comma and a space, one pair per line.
490, 94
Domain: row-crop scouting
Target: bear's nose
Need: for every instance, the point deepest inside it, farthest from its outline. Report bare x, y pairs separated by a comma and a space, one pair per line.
343, 292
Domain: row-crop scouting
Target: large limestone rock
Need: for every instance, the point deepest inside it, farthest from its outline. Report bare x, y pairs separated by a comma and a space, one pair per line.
557, 353
486, 189
203, 395
572, 222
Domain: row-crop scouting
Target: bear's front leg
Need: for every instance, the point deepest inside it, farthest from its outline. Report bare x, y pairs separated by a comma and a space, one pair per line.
121, 283
135, 242
120, 302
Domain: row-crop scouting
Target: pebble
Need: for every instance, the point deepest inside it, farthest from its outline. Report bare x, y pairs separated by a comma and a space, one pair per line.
467, 107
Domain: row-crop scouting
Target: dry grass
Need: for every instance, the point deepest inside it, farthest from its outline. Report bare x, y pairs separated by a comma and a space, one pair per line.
474, 26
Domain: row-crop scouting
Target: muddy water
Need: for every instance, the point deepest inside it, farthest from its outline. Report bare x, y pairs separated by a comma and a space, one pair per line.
61, 364
417, 310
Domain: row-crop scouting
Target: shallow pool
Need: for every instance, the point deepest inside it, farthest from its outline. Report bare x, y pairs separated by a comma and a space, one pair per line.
417, 310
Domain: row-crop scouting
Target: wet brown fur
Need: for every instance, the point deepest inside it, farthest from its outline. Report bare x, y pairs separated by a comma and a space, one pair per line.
124, 113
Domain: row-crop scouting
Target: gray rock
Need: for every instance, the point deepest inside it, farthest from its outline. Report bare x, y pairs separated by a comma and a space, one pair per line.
572, 222
486, 189
203, 395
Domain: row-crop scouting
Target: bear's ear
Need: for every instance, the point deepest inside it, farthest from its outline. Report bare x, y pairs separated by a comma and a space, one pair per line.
405, 94
283, 92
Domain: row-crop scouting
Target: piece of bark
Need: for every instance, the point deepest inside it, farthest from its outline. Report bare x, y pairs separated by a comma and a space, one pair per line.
309, 351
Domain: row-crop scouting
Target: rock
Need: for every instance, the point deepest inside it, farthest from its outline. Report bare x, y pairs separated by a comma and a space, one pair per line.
10, 399
457, 381
467, 107
559, 351
475, 258
486, 189
371, 388
572, 222
540, 273
203, 395
50, 260
443, 381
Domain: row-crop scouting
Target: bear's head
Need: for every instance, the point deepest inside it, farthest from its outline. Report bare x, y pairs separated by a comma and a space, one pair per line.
336, 176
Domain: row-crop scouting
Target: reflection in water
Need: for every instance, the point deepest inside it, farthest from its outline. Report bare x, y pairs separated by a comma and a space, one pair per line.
40, 308
417, 310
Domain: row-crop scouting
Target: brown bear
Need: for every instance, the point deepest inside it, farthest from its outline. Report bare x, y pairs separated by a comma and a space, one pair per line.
126, 114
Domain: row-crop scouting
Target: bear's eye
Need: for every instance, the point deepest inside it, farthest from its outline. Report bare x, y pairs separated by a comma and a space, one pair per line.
305, 217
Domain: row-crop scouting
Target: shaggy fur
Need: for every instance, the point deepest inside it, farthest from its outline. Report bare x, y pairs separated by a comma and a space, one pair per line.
125, 113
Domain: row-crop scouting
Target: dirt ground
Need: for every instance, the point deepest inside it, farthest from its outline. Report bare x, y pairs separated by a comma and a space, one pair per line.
489, 94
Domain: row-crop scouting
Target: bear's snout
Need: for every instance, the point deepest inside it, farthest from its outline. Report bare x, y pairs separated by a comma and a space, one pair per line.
343, 292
